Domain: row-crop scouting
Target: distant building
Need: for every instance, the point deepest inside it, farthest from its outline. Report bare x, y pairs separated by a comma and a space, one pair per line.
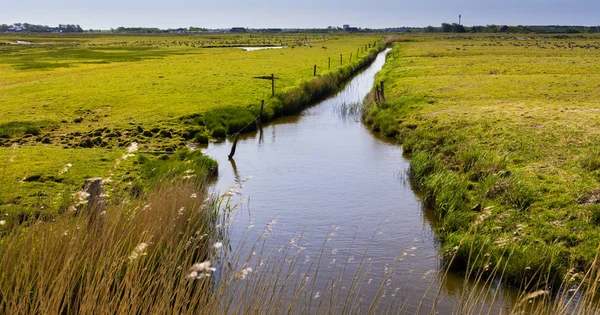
15, 28
503, 28
352, 29
346, 26
238, 30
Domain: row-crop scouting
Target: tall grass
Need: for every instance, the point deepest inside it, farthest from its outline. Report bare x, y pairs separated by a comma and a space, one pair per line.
157, 256
141, 253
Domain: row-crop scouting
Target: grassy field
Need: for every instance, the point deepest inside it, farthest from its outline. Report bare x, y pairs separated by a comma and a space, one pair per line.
504, 139
71, 105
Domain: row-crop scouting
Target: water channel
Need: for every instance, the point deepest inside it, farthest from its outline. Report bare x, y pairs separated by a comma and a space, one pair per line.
325, 186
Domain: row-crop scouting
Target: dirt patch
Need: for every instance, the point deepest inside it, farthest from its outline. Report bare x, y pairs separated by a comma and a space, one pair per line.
590, 198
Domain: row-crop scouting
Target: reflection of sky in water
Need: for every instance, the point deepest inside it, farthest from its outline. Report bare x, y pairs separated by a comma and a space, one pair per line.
326, 186
261, 48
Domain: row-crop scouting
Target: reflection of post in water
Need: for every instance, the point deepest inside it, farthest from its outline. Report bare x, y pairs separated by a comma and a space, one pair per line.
235, 171
274, 133
261, 138
260, 116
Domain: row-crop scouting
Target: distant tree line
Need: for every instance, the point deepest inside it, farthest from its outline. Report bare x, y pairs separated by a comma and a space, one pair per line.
520, 29
155, 30
34, 28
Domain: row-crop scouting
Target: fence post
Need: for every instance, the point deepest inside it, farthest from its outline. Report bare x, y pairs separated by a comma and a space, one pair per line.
315, 71
329, 65
341, 62
96, 205
232, 153
272, 84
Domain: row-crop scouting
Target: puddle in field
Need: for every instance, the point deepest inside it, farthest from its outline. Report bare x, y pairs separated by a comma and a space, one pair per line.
261, 48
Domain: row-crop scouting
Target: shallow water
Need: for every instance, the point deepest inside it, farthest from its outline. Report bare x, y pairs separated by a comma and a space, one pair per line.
333, 189
261, 48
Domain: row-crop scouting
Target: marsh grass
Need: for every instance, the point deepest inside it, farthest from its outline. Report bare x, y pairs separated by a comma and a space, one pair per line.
349, 110
140, 254
189, 165
488, 126
149, 254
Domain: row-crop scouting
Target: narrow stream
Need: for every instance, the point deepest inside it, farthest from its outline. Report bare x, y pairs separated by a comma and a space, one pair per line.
325, 185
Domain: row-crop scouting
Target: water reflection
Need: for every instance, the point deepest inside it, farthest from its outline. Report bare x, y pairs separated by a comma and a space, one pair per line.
334, 188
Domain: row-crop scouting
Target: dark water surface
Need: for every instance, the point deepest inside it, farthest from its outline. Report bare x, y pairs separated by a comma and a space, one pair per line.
330, 187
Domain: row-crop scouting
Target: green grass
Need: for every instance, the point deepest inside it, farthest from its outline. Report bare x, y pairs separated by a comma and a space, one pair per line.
192, 165
86, 98
16, 129
509, 123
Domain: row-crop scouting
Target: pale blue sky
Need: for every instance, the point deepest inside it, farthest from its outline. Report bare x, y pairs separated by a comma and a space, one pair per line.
303, 13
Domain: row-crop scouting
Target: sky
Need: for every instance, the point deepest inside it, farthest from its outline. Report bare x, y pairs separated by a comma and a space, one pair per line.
106, 14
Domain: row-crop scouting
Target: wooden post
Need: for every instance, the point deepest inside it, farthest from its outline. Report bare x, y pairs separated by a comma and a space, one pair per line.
96, 205
329, 66
357, 52
315, 71
350, 57
341, 62
382, 91
232, 153
272, 84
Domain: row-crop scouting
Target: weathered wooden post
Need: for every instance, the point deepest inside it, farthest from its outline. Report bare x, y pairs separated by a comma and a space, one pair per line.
272, 84
96, 205
315, 71
329, 65
341, 62
232, 153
